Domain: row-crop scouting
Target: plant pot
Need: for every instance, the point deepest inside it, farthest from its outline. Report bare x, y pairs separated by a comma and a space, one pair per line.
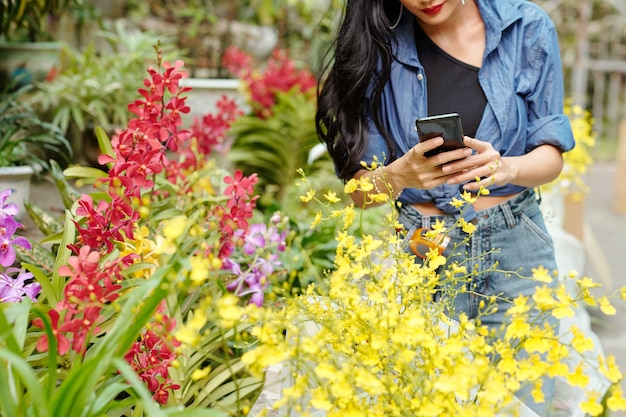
17, 179
205, 93
34, 60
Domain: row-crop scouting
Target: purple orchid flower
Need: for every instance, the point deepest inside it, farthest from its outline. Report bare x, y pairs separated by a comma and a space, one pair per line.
252, 276
258, 236
255, 280
8, 226
255, 238
13, 290
7, 210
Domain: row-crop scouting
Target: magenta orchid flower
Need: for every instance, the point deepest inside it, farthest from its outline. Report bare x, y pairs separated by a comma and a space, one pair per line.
7, 210
8, 226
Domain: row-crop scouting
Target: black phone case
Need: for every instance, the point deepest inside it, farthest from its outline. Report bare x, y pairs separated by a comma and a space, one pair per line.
448, 126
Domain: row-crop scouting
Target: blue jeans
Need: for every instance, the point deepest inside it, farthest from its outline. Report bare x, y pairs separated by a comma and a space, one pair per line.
513, 235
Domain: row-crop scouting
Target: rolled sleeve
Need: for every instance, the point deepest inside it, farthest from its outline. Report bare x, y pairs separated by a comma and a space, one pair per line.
552, 130
547, 124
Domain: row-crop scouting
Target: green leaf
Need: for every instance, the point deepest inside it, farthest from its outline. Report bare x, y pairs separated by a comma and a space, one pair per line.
84, 173
63, 255
53, 239
68, 193
46, 286
217, 378
37, 255
22, 369
195, 412
13, 314
45, 222
139, 387
105, 144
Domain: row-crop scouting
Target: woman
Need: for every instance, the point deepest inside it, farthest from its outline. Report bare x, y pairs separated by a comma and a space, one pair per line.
497, 64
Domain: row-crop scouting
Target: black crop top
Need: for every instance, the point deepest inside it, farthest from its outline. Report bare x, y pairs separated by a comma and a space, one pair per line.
452, 85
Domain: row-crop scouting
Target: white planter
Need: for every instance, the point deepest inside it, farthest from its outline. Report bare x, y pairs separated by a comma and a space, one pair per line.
17, 179
31, 59
205, 93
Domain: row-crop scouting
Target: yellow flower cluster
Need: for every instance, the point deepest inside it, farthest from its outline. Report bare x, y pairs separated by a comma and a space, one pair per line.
374, 343
579, 159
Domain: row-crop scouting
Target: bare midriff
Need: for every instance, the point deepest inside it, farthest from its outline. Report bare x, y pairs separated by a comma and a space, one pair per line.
482, 203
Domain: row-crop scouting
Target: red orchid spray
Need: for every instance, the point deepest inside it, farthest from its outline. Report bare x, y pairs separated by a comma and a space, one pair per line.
139, 154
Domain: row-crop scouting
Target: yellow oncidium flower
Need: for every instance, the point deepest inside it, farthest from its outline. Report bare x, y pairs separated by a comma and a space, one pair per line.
174, 228
331, 196
200, 268
606, 307
334, 214
541, 274
544, 299
200, 373
537, 392
320, 400
467, 227
204, 184
609, 369
468, 198
189, 333
349, 214
580, 342
229, 311
310, 194
520, 306
537, 343
351, 186
565, 304
143, 247
578, 377
586, 282
163, 246
379, 197
457, 203
316, 220
616, 401
592, 405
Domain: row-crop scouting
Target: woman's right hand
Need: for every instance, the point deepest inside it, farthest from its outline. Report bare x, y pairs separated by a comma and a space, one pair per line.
414, 170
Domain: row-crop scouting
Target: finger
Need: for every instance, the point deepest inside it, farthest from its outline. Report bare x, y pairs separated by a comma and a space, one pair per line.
428, 145
452, 160
471, 142
470, 175
476, 185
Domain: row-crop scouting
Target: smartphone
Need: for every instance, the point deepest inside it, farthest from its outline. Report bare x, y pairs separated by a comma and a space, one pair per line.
448, 126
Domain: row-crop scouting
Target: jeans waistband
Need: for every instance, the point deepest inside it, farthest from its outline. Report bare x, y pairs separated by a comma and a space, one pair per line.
506, 210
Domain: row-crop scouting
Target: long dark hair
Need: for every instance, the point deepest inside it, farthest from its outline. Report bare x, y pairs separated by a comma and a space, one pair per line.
361, 55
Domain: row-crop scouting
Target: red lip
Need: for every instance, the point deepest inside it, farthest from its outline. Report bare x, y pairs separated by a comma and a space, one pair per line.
432, 10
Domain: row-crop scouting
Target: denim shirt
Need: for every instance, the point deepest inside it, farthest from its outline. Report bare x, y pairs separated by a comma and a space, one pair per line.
521, 76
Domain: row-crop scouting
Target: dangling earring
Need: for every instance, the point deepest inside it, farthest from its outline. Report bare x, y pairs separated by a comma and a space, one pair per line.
395, 25
463, 2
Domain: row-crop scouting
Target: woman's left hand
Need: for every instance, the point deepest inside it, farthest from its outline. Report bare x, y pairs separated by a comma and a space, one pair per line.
483, 168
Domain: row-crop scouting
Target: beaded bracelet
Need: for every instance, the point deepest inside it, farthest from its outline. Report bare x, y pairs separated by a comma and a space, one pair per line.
375, 178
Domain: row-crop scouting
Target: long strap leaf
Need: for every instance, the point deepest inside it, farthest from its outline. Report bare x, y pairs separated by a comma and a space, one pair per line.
136, 308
